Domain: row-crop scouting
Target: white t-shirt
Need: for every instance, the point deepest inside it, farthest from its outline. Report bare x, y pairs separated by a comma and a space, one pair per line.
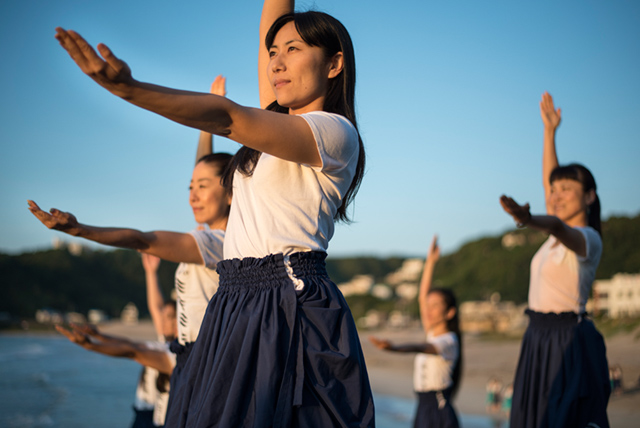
560, 279
196, 284
433, 372
286, 207
148, 397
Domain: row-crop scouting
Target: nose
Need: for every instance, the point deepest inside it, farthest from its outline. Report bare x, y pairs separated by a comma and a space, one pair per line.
277, 63
193, 195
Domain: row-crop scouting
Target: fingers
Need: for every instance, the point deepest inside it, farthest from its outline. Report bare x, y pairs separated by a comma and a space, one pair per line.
218, 87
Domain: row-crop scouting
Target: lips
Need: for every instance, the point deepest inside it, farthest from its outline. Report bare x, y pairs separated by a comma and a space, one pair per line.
278, 83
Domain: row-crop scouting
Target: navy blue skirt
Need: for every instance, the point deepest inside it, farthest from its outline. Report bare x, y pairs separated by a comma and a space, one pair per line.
270, 356
435, 410
562, 379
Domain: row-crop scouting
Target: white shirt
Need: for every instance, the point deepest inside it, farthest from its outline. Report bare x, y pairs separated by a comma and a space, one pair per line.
432, 372
286, 207
196, 284
560, 279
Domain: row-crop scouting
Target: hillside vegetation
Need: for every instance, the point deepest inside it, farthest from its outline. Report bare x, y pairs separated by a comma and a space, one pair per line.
108, 280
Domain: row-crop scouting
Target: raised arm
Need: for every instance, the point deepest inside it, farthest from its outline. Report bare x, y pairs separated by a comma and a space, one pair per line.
172, 246
551, 119
122, 348
271, 10
205, 141
155, 300
433, 255
570, 237
287, 137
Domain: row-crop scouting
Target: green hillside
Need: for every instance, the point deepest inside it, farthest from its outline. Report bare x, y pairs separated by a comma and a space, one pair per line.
109, 279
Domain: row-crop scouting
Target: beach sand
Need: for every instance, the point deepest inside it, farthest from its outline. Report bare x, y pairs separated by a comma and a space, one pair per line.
392, 373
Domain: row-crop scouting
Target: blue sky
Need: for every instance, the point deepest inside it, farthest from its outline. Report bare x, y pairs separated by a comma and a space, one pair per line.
447, 99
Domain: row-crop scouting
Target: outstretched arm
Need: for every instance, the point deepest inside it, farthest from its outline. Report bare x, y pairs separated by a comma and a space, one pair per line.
123, 348
172, 246
271, 10
567, 235
205, 142
433, 255
155, 300
551, 119
287, 137
425, 348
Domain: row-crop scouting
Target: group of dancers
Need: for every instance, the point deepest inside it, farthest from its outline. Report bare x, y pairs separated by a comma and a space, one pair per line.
276, 343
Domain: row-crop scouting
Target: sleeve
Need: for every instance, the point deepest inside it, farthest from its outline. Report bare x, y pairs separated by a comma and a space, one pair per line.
594, 245
210, 245
446, 345
336, 138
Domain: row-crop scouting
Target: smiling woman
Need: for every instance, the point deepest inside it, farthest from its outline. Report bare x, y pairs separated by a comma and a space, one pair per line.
278, 341
562, 377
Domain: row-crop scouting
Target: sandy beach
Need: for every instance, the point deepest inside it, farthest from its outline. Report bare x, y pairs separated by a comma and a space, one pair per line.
391, 373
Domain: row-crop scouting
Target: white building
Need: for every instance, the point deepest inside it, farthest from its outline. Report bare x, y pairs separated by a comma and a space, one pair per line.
617, 297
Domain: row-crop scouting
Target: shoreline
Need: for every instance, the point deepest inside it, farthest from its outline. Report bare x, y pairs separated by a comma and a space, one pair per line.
391, 374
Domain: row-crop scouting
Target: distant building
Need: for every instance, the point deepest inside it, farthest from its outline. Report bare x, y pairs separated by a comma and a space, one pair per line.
49, 316
408, 272
492, 316
616, 297
359, 284
129, 314
96, 316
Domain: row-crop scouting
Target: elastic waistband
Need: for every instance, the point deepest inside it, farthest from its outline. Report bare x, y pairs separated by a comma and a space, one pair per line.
552, 319
182, 351
259, 272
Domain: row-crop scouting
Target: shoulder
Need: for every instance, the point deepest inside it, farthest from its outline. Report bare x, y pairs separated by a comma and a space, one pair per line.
324, 123
593, 241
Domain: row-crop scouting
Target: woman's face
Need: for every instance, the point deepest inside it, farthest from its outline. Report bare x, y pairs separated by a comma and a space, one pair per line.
299, 73
569, 202
208, 199
437, 311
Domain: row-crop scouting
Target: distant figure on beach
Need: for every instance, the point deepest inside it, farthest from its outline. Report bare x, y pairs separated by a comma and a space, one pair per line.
198, 252
616, 380
494, 391
438, 366
507, 399
152, 392
562, 378
278, 344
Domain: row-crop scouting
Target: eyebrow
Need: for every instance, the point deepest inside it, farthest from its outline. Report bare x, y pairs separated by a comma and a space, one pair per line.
201, 179
288, 43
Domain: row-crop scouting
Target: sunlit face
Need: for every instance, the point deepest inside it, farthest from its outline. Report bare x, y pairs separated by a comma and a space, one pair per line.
169, 322
208, 199
437, 312
568, 201
298, 73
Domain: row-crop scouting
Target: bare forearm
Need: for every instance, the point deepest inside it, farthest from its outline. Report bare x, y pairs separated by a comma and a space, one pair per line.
205, 145
206, 112
113, 236
425, 348
567, 235
549, 155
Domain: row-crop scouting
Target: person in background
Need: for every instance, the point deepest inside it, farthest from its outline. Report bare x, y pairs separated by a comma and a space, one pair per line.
562, 377
438, 367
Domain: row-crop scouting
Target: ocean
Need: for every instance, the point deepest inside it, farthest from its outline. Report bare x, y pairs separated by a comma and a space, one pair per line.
46, 381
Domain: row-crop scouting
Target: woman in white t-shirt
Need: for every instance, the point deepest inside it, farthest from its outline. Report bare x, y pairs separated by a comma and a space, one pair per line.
562, 376
437, 368
278, 345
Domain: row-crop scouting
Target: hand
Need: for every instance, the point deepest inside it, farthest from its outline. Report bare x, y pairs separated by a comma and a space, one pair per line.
150, 263
380, 343
54, 219
218, 87
520, 213
433, 254
109, 72
88, 329
550, 116
74, 335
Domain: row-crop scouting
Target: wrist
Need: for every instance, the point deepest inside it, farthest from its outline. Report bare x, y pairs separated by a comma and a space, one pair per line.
524, 222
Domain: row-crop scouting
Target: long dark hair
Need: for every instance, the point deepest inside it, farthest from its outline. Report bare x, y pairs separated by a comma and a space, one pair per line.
453, 325
582, 175
326, 32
